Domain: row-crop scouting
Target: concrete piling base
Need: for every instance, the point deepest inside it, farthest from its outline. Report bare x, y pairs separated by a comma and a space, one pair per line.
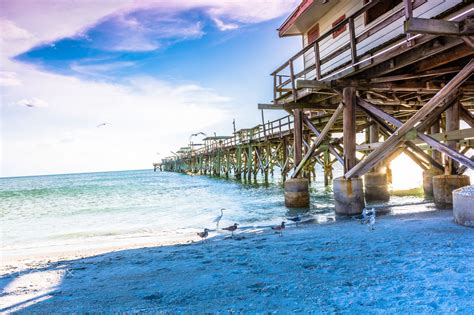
443, 187
463, 206
348, 195
376, 188
428, 181
297, 193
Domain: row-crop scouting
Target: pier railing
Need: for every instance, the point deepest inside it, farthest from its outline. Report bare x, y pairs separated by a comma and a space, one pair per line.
285, 76
271, 130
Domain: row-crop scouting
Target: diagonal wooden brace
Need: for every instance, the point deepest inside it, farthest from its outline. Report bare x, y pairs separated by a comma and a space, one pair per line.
394, 140
380, 117
318, 140
313, 128
426, 138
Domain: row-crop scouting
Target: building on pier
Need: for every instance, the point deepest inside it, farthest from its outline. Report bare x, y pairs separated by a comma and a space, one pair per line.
397, 72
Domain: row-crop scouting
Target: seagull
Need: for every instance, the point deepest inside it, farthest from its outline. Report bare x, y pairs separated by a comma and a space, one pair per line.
368, 217
279, 228
203, 235
372, 220
101, 125
218, 218
296, 219
231, 228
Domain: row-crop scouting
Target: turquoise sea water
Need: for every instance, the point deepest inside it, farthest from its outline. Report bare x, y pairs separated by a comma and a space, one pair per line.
93, 208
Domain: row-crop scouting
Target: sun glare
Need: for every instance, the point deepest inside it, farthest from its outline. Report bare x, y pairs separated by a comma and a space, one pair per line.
406, 174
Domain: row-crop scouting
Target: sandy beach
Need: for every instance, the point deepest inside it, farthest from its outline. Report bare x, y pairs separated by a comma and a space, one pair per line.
416, 263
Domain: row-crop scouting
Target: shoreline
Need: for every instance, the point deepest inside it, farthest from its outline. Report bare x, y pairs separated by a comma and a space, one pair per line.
18, 258
423, 259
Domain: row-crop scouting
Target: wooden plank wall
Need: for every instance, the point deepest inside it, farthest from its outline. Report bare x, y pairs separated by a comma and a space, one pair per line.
427, 10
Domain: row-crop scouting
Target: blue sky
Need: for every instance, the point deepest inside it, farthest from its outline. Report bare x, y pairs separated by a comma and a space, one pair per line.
155, 72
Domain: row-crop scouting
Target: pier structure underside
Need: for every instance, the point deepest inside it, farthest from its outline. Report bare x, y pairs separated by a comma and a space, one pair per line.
413, 95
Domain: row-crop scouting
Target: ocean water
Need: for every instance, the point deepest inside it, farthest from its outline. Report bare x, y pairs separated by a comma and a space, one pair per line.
90, 209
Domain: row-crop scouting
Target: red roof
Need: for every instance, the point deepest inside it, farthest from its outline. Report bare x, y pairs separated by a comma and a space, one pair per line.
294, 16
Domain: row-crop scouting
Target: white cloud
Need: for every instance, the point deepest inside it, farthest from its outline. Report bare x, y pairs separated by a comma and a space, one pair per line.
8, 78
32, 102
224, 26
10, 31
144, 116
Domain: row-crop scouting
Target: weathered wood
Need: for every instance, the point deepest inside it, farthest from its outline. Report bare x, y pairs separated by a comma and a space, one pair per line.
433, 62
352, 41
432, 26
416, 159
466, 116
317, 60
412, 56
392, 142
370, 109
452, 123
298, 136
349, 132
318, 141
313, 128
435, 130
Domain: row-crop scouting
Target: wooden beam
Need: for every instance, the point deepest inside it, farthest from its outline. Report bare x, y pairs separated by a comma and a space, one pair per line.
467, 116
318, 141
416, 159
452, 123
313, 84
412, 56
349, 132
455, 53
393, 141
431, 140
432, 26
298, 136
313, 128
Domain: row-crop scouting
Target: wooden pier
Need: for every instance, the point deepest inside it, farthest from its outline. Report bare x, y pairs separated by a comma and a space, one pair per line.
401, 79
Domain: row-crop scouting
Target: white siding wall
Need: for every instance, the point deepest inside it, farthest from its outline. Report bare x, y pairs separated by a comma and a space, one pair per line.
427, 10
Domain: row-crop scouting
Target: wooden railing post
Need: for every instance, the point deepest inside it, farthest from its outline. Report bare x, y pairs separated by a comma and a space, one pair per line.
408, 5
353, 41
292, 79
317, 60
274, 89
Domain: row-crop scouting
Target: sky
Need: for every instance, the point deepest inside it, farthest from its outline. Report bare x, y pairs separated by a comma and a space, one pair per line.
92, 85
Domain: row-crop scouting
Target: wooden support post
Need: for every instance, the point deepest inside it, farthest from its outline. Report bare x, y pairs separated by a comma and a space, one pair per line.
434, 153
238, 157
292, 79
318, 141
374, 134
249, 162
284, 157
327, 167
298, 136
452, 123
349, 132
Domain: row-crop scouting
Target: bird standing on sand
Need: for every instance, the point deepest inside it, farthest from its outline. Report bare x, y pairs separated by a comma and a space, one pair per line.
368, 217
372, 220
218, 218
279, 228
231, 228
296, 219
203, 235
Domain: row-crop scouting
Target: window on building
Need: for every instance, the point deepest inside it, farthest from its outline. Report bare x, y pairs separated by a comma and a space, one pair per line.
313, 34
379, 9
341, 29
